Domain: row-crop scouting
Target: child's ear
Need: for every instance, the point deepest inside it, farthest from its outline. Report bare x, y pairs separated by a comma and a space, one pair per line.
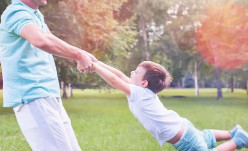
145, 84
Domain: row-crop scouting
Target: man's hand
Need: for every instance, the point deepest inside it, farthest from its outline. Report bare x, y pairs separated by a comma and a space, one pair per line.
89, 69
92, 57
84, 63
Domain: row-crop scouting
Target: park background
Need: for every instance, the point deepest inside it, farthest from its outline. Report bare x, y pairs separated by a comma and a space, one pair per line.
123, 33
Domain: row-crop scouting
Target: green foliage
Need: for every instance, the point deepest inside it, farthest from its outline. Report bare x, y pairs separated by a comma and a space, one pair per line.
96, 20
118, 53
58, 22
121, 47
3, 5
188, 80
240, 76
67, 71
114, 31
93, 28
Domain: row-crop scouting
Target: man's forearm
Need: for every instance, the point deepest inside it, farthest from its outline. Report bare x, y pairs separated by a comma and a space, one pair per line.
50, 43
58, 47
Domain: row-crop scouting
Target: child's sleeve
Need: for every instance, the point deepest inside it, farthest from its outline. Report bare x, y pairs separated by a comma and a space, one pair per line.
136, 93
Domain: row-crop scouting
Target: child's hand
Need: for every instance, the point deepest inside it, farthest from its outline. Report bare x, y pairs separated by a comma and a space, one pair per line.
87, 70
93, 58
94, 64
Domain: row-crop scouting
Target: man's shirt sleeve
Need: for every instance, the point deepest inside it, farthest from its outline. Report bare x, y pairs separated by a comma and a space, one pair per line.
16, 20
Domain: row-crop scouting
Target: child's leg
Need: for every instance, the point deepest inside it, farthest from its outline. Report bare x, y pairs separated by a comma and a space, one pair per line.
227, 146
234, 130
225, 135
211, 136
239, 140
221, 135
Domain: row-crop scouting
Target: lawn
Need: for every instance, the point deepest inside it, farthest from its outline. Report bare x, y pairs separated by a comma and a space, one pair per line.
103, 122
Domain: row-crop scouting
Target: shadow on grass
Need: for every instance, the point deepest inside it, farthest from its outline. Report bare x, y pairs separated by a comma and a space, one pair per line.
5, 111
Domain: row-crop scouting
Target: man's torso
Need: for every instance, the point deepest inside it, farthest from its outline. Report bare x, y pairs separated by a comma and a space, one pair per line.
28, 72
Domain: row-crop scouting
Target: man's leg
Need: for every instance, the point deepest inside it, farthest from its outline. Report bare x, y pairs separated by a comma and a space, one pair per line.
42, 126
68, 128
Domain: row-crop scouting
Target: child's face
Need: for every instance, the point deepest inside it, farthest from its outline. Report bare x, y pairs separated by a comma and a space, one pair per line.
137, 77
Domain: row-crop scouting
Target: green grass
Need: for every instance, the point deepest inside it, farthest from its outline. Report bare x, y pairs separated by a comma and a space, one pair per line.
103, 122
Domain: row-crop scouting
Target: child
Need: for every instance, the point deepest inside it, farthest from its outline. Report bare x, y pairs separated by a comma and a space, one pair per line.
141, 90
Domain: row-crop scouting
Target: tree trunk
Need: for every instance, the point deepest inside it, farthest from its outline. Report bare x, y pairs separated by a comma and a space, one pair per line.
203, 83
146, 40
246, 79
196, 80
63, 87
218, 83
144, 35
179, 85
247, 86
231, 83
70, 91
183, 82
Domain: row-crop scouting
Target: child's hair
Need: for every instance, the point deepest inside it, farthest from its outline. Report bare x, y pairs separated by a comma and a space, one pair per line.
157, 76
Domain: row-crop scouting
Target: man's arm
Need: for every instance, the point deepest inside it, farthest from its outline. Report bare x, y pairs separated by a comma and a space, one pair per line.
51, 44
111, 78
115, 71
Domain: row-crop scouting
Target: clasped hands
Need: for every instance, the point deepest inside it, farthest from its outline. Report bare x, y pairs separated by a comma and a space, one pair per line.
86, 63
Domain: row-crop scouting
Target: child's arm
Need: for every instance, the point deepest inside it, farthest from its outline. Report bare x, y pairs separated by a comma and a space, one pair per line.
112, 79
116, 72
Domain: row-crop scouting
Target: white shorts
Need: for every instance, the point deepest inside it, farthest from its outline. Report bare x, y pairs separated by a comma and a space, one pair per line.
46, 125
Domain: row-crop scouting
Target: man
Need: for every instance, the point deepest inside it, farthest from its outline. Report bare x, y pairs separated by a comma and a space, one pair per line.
30, 78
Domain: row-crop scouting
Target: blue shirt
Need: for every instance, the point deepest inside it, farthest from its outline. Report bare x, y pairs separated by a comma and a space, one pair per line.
28, 72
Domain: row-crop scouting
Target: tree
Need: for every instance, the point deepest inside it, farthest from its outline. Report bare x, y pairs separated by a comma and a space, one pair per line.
148, 14
67, 74
159, 24
58, 22
188, 80
94, 29
3, 5
221, 38
183, 19
96, 20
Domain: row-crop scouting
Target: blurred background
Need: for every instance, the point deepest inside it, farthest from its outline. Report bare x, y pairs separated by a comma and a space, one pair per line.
198, 41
